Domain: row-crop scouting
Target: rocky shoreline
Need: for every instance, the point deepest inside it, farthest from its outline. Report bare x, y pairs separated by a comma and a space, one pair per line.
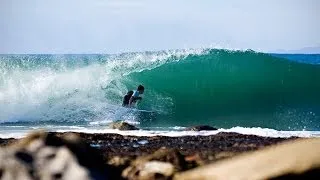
124, 156
207, 148
52, 155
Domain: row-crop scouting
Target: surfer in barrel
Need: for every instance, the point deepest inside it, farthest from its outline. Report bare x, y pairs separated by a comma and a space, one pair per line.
132, 97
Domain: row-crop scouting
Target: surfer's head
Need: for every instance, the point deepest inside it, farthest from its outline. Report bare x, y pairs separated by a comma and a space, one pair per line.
140, 89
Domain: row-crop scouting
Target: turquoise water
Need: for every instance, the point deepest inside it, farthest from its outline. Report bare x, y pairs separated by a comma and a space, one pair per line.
223, 88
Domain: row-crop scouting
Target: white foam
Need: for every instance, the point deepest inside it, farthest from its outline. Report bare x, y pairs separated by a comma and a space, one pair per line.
266, 132
170, 133
58, 92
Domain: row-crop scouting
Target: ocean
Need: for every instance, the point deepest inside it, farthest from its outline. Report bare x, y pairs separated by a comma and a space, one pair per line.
248, 92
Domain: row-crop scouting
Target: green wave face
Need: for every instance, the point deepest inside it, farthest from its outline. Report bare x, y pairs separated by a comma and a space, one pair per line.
233, 88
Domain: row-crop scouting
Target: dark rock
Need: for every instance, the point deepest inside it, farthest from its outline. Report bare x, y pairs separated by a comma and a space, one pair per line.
201, 128
5, 142
121, 125
24, 157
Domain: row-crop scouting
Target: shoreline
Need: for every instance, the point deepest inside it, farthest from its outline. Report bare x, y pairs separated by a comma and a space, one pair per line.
114, 156
257, 131
206, 148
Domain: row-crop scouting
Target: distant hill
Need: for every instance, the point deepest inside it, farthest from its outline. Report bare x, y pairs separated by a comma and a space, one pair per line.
306, 50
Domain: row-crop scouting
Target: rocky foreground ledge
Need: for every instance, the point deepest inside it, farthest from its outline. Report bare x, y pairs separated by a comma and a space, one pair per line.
83, 156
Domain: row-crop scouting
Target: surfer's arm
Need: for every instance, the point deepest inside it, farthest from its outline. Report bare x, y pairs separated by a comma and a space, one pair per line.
133, 99
130, 101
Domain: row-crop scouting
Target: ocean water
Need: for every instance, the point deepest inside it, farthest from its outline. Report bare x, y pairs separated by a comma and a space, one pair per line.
239, 91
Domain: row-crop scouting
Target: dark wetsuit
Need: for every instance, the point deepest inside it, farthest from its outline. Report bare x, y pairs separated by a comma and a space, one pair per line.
126, 98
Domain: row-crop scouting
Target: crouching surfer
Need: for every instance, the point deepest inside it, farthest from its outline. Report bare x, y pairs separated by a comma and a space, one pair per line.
130, 99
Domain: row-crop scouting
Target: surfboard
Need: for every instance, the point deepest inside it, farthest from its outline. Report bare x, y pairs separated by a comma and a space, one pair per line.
142, 110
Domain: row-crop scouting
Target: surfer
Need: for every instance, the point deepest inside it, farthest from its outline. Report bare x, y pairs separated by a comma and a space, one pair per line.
132, 97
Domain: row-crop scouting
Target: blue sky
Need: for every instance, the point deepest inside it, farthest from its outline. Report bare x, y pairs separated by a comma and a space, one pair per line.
111, 26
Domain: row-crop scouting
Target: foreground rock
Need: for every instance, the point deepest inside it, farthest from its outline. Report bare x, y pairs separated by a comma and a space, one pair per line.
121, 125
201, 128
161, 164
5, 142
294, 160
45, 156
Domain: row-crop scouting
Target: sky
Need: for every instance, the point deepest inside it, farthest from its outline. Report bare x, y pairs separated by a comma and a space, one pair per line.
113, 26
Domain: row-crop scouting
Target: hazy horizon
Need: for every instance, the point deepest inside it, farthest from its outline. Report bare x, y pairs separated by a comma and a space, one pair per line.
315, 50
116, 26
